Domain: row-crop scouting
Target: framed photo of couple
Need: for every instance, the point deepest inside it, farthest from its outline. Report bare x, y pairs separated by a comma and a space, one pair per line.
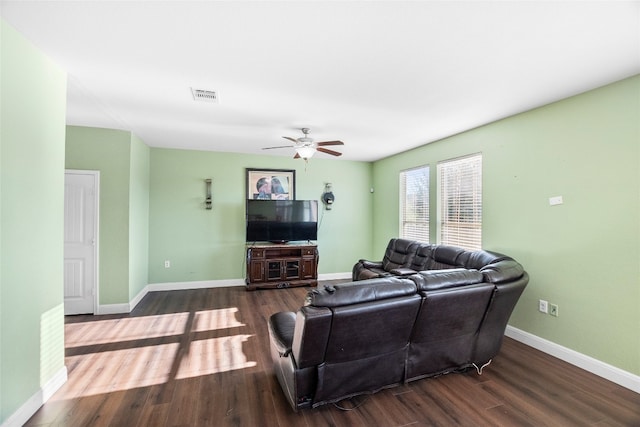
271, 184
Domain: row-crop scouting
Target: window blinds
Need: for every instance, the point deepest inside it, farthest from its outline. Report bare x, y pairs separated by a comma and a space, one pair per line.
414, 204
461, 202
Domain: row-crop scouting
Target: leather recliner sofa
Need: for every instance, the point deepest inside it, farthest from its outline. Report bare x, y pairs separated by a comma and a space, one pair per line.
364, 336
404, 257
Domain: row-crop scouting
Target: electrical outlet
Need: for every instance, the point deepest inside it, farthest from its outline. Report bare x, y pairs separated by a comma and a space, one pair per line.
553, 309
167, 263
543, 306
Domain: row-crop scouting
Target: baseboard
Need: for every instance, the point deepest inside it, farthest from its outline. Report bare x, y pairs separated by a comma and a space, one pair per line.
136, 300
601, 369
31, 406
171, 286
178, 286
334, 276
113, 309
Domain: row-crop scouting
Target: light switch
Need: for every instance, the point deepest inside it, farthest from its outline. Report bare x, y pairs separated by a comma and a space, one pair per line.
556, 200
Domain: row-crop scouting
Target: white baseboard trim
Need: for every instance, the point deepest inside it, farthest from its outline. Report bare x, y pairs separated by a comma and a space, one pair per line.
113, 309
170, 286
54, 383
31, 406
601, 369
334, 276
136, 300
177, 286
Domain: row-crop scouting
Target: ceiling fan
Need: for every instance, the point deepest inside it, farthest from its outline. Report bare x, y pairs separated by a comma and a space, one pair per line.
306, 147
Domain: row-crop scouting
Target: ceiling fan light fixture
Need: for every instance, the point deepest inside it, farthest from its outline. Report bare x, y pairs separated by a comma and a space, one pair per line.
305, 152
306, 147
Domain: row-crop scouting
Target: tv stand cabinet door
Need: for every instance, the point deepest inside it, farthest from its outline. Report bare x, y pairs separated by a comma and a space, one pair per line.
309, 268
275, 269
256, 271
292, 269
309, 262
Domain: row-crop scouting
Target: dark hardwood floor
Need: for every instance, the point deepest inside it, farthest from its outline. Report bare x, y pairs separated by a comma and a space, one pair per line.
201, 358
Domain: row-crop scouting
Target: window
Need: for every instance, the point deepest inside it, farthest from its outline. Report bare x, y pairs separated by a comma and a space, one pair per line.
460, 210
414, 204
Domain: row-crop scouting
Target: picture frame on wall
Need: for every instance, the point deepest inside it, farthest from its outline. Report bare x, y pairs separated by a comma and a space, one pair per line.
271, 184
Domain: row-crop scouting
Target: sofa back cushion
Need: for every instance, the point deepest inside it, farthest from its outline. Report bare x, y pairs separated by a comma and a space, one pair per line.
364, 330
423, 258
362, 291
446, 328
436, 257
431, 280
495, 267
445, 257
367, 347
399, 253
479, 259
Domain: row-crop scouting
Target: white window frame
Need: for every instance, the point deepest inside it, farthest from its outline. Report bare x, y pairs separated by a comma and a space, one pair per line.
460, 202
414, 216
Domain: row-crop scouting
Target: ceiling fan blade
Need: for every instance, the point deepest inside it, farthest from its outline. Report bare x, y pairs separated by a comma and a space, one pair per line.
295, 141
325, 143
279, 146
327, 151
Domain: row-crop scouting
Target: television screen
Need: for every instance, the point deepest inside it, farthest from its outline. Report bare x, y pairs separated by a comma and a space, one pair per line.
282, 220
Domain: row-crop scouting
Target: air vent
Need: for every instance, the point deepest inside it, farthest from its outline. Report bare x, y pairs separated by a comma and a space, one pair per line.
205, 95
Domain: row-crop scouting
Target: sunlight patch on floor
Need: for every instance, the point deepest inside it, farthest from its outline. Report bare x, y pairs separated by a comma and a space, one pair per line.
214, 355
144, 327
119, 363
210, 320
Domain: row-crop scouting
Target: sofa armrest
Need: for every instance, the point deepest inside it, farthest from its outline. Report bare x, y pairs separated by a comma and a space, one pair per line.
281, 329
402, 271
370, 264
502, 271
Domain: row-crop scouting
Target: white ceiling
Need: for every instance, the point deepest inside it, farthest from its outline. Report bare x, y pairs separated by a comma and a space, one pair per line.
381, 76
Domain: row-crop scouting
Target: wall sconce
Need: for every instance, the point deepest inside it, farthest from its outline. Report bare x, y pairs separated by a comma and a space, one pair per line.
208, 201
327, 197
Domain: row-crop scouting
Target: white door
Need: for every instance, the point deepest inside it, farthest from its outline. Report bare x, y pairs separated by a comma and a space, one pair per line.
80, 241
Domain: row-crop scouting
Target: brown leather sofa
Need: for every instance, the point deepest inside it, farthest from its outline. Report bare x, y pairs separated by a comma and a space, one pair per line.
364, 336
404, 257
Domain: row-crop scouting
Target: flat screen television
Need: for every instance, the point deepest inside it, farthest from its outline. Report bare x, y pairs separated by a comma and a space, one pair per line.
281, 221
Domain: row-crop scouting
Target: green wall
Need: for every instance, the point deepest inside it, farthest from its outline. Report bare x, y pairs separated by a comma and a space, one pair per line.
107, 151
32, 133
583, 255
138, 217
123, 162
209, 244
152, 210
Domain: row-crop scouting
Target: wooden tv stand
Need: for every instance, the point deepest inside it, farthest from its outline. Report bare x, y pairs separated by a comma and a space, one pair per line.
281, 265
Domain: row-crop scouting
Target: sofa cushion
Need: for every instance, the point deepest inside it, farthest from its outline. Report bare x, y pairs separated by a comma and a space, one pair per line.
479, 259
361, 291
445, 257
399, 253
423, 259
431, 280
